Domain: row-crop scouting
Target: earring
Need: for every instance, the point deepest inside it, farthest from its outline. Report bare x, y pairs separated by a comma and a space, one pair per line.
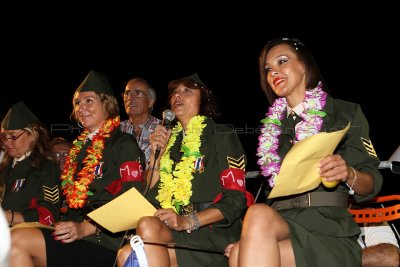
80, 125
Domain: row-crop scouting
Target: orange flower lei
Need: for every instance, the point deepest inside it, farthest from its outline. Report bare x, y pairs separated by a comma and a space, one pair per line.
77, 190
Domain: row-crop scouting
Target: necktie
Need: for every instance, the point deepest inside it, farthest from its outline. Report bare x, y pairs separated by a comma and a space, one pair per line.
293, 119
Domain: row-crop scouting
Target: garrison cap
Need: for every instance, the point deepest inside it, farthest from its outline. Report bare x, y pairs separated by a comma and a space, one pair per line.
18, 117
96, 82
193, 79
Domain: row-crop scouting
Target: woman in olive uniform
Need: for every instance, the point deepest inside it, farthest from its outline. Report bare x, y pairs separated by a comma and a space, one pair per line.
198, 183
313, 228
102, 163
31, 180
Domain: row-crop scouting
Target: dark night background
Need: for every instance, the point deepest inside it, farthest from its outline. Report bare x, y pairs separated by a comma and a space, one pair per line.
45, 56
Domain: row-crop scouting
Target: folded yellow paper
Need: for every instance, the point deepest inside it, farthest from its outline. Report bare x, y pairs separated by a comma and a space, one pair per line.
123, 212
299, 170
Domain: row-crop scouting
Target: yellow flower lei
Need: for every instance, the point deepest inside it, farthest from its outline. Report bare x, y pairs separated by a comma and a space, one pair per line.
76, 190
175, 187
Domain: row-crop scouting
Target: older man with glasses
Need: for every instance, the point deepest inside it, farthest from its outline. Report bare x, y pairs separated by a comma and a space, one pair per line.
139, 98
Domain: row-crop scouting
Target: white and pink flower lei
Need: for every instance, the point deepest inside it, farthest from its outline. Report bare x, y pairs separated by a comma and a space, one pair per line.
268, 141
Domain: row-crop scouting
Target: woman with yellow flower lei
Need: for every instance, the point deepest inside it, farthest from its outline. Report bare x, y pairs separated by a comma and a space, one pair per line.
103, 163
198, 183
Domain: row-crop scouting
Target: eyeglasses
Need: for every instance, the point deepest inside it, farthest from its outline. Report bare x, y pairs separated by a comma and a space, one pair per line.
60, 154
134, 94
5, 137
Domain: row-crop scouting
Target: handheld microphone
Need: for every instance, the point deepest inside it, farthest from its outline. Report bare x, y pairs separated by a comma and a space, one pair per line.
168, 117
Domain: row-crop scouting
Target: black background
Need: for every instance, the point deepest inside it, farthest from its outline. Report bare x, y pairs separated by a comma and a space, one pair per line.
47, 51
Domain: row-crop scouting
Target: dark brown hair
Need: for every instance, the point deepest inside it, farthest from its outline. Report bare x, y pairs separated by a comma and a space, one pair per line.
208, 102
312, 73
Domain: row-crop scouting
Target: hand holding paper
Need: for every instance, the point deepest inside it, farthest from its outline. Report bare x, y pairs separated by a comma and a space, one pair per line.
123, 212
299, 170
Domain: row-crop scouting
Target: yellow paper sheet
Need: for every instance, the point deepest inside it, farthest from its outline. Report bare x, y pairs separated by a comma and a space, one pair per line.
123, 212
299, 170
31, 224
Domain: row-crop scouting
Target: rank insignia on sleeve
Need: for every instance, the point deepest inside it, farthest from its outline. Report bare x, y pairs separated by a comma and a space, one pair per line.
18, 184
369, 147
199, 165
236, 163
51, 194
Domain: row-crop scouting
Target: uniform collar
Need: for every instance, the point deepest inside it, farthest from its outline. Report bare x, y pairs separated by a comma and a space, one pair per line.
16, 160
297, 109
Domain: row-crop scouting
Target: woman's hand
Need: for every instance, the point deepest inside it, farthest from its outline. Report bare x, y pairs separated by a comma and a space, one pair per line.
334, 168
172, 220
159, 139
70, 231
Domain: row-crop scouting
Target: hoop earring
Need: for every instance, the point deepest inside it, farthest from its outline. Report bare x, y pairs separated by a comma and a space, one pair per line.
80, 125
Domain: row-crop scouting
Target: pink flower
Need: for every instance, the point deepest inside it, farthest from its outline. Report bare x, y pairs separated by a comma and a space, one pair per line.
268, 141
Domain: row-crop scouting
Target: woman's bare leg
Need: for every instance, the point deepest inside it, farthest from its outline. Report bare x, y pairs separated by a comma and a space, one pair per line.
287, 255
28, 248
155, 254
233, 257
123, 254
153, 230
263, 230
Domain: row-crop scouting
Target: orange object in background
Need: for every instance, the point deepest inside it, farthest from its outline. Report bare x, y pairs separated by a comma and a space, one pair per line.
374, 215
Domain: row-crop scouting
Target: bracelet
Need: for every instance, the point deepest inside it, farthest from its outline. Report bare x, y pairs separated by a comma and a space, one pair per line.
97, 229
98, 233
149, 167
351, 191
194, 222
12, 218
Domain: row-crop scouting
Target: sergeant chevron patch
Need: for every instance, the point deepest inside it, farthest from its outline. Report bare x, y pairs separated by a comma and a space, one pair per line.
236, 163
51, 194
369, 147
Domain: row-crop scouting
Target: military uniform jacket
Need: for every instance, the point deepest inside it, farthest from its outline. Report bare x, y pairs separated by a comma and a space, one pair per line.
322, 236
116, 173
222, 150
33, 191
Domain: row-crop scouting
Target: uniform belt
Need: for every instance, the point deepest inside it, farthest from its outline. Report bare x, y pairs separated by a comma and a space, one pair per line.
313, 199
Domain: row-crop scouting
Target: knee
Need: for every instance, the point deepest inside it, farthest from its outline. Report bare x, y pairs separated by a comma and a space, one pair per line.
259, 212
20, 242
18, 239
149, 228
123, 254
